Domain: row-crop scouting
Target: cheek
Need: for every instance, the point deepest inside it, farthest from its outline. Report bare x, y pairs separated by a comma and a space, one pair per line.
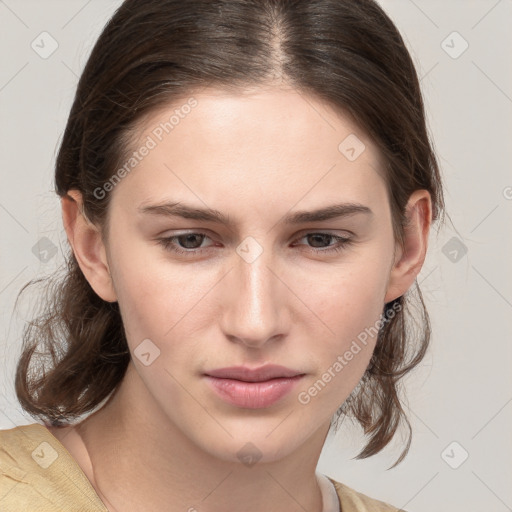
152, 303
350, 304
351, 296
159, 300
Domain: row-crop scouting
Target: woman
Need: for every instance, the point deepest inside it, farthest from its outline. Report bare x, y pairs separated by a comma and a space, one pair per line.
247, 188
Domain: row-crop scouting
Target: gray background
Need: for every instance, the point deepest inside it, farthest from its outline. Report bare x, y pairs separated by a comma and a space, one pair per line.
462, 392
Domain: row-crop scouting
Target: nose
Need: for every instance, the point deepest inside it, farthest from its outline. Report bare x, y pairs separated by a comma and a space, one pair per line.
253, 302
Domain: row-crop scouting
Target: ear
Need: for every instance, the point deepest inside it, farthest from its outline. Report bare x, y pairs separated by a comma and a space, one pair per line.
409, 260
87, 244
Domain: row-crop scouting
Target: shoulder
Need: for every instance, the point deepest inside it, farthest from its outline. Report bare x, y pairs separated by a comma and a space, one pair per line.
354, 501
38, 474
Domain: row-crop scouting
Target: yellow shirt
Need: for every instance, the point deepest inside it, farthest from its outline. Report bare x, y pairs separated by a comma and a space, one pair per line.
38, 474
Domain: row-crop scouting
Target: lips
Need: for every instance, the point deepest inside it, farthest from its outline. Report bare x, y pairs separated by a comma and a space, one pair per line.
253, 388
261, 374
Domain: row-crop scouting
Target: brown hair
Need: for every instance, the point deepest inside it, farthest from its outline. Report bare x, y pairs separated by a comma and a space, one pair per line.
152, 52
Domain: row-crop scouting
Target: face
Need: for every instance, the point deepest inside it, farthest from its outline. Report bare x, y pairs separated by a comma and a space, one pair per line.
258, 284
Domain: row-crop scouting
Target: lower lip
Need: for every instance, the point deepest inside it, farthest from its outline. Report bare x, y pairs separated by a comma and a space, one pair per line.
252, 395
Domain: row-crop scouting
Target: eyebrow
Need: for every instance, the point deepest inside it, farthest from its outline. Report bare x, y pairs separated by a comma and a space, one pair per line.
334, 211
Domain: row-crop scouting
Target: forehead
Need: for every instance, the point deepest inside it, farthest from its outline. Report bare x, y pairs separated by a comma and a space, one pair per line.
253, 145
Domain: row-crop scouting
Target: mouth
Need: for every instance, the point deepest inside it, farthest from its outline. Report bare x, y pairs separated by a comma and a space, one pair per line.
261, 374
253, 388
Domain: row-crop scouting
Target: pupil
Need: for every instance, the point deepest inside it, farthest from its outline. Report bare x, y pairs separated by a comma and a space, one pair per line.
320, 236
188, 238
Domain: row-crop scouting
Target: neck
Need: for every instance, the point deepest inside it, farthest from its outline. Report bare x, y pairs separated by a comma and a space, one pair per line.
163, 469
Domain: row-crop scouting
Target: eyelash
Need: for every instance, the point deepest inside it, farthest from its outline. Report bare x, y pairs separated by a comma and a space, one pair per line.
168, 244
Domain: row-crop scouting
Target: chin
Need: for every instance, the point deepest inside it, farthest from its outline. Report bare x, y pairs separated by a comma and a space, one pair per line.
248, 446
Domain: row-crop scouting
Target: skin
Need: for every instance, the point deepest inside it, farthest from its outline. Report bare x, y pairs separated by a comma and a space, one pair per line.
164, 440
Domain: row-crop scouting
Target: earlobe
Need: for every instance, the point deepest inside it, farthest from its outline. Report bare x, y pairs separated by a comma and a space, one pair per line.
411, 257
87, 245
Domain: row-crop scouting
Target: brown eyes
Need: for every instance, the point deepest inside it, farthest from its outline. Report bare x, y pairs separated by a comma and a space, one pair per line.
190, 244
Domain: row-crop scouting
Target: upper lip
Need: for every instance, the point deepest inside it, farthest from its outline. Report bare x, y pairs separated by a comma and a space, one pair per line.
261, 374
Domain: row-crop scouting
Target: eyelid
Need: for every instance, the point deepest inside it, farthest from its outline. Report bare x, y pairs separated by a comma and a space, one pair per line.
334, 232
341, 243
344, 233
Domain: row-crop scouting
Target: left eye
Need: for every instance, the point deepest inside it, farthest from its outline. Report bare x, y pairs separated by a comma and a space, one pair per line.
190, 243
325, 237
